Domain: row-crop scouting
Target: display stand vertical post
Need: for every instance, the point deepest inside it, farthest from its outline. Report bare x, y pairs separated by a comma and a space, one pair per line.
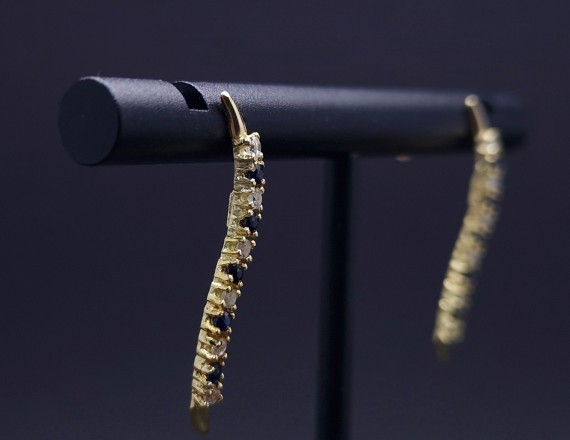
333, 362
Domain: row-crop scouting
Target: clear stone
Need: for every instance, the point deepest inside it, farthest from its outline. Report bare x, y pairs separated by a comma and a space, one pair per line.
255, 198
255, 144
229, 298
487, 220
252, 150
472, 259
493, 183
213, 396
220, 348
245, 248
492, 148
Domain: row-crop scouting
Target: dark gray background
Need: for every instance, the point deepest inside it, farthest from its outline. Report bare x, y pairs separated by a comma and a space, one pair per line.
105, 270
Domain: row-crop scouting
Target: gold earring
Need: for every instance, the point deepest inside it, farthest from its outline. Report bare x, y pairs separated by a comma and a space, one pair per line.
485, 191
244, 215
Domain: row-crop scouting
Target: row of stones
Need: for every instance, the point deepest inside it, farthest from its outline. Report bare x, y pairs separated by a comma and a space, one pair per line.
235, 271
486, 192
458, 286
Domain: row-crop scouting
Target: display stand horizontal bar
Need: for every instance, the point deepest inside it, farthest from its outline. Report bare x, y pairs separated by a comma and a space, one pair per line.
121, 121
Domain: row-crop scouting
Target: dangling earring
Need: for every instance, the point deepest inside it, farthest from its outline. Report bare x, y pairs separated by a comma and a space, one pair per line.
244, 215
485, 191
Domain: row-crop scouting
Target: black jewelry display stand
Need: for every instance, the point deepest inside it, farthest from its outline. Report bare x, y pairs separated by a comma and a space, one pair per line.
132, 121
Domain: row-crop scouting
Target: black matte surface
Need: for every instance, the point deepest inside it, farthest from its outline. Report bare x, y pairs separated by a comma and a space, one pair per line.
333, 393
161, 123
90, 122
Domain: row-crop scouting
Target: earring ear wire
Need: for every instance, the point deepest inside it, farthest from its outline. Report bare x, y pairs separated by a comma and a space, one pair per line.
485, 192
244, 215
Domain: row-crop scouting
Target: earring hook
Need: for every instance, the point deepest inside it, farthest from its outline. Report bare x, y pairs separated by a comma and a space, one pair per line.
478, 113
236, 122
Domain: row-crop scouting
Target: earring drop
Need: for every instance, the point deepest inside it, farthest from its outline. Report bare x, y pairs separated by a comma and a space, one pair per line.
244, 215
485, 192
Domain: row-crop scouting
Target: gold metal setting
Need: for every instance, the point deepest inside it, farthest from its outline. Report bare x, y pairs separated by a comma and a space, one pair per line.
485, 191
244, 213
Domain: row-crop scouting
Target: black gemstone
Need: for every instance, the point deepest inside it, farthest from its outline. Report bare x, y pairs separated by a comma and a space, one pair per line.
257, 175
236, 271
216, 374
251, 222
222, 322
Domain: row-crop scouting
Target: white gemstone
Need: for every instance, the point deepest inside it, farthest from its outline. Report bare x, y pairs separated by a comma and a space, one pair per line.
472, 259
245, 248
492, 148
252, 149
255, 198
220, 348
229, 298
213, 396
493, 183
